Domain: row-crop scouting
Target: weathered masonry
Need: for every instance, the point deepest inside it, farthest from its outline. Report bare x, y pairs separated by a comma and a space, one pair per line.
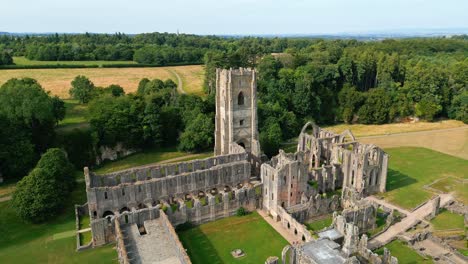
139, 207
236, 111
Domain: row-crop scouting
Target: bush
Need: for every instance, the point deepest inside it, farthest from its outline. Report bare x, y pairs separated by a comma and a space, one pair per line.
241, 211
42, 193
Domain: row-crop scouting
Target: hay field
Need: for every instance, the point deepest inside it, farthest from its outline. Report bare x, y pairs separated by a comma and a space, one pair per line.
57, 81
449, 141
192, 79
360, 130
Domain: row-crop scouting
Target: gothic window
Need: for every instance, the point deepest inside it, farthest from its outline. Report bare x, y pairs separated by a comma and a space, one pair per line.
105, 195
240, 99
241, 122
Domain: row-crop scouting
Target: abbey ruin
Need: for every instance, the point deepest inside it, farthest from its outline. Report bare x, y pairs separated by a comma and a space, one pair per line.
138, 208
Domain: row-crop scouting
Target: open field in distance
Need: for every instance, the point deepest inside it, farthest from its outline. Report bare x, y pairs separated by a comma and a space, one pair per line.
57, 81
360, 130
25, 61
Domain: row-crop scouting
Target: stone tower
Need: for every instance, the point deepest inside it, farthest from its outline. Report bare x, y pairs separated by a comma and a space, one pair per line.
236, 110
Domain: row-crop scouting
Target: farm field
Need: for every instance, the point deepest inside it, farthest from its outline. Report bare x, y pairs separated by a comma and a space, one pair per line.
404, 253
411, 169
25, 61
49, 242
57, 81
360, 130
213, 242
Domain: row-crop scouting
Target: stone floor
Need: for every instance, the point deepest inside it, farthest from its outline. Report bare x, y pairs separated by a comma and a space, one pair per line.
153, 247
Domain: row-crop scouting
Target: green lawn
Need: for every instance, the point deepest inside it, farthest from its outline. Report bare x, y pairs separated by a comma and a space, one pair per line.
75, 112
212, 242
148, 157
50, 242
404, 253
411, 168
379, 225
320, 224
24, 61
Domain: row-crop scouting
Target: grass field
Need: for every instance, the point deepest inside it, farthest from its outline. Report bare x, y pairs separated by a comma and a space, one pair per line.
320, 224
360, 130
57, 81
192, 79
213, 242
404, 253
446, 220
410, 169
25, 61
148, 157
50, 242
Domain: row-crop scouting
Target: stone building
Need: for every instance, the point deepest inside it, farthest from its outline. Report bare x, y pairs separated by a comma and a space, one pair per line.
236, 111
139, 207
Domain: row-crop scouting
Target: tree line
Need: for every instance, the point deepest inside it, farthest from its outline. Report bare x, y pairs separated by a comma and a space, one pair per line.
353, 82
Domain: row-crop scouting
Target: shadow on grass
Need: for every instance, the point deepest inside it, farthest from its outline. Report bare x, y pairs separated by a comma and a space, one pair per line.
396, 180
199, 248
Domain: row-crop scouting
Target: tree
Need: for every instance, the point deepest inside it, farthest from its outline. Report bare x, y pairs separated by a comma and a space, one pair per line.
115, 90
82, 89
427, 108
117, 120
5, 58
198, 134
376, 107
459, 107
42, 193
16, 150
271, 138
27, 106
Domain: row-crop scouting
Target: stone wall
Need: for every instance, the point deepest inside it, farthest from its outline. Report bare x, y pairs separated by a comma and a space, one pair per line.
120, 244
174, 240
221, 205
145, 187
292, 225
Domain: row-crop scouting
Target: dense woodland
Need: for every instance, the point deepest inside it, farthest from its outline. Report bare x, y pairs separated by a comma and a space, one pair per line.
327, 81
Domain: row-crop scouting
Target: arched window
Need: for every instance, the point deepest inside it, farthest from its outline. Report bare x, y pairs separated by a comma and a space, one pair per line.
240, 99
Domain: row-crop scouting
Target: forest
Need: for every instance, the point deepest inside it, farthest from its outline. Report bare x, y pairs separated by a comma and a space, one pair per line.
327, 81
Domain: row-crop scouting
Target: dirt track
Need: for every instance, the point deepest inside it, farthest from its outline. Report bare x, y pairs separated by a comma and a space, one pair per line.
452, 141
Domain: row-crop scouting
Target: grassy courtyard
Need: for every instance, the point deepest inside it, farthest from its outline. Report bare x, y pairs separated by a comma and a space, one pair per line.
148, 157
50, 242
320, 224
404, 253
213, 242
411, 168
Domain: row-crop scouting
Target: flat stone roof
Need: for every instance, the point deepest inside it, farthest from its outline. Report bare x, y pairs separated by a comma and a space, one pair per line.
331, 234
153, 247
324, 251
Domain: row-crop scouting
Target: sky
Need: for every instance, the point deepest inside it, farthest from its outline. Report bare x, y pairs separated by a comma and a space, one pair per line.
232, 17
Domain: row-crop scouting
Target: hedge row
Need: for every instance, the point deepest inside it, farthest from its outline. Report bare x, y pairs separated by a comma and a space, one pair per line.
77, 66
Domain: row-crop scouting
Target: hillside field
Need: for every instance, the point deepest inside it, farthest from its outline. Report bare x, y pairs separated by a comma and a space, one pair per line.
57, 81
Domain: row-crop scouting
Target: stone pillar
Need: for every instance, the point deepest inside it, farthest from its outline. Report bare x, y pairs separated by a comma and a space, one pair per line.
272, 260
351, 239
435, 206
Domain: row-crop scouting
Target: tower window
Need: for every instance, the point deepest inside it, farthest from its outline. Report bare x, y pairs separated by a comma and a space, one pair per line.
241, 122
240, 99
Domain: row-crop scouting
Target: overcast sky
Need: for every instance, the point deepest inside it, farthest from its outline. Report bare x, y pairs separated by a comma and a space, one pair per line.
231, 17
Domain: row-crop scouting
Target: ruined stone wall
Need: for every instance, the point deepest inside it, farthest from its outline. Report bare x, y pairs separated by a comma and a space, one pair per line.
314, 206
131, 189
174, 240
218, 207
337, 163
292, 225
120, 244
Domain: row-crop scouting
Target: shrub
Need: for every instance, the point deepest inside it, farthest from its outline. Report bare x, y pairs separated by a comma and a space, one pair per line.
241, 211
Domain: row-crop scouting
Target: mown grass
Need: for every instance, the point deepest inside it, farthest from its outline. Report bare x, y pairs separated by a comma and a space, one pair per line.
404, 253
213, 242
25, 61
411, 168
319, 224
148, 157
446, 220
22, 242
